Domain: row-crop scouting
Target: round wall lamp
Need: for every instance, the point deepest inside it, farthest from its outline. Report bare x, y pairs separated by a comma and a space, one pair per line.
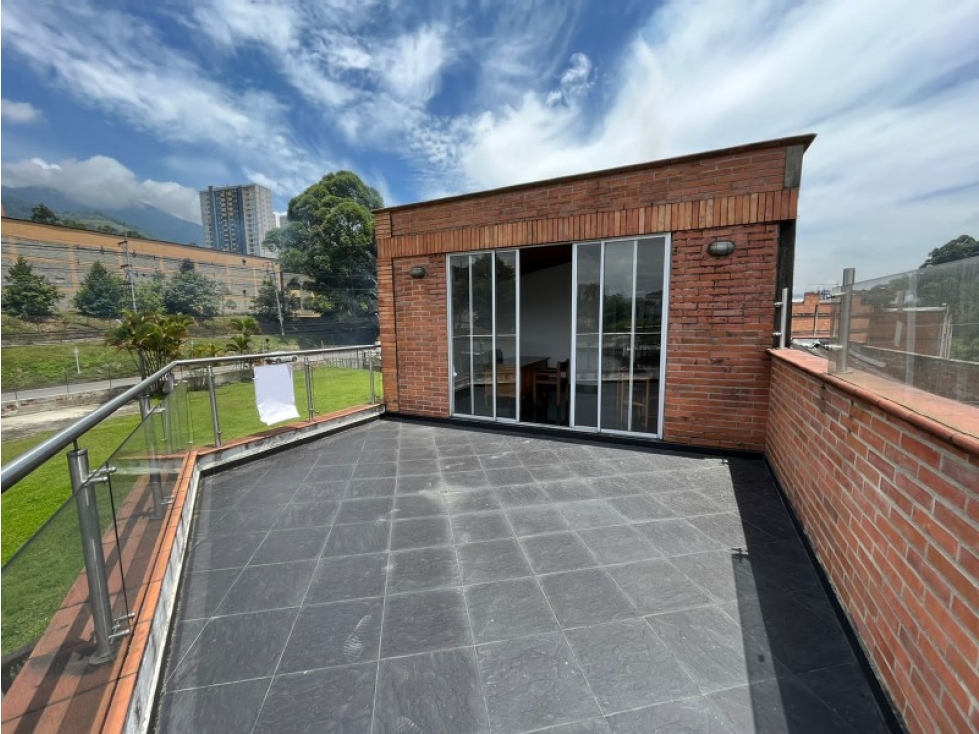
417, 272
720, 248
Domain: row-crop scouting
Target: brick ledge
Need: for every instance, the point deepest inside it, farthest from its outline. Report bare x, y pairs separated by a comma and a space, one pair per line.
917, 415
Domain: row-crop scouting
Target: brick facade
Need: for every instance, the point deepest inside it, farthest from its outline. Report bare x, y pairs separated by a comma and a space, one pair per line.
890, 502
721, 310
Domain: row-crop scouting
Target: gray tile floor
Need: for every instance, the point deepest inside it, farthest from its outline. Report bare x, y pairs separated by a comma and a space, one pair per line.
401, 578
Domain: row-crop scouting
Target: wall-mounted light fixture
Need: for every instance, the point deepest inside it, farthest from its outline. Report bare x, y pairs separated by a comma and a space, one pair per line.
720, 248
417, 272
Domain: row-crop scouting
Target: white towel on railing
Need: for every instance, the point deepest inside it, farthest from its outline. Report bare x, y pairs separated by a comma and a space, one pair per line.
274, 394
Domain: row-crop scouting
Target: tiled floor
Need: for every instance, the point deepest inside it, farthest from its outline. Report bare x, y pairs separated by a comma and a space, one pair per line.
401, 578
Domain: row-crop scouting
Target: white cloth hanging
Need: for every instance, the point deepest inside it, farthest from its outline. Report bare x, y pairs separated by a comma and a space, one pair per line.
274, 394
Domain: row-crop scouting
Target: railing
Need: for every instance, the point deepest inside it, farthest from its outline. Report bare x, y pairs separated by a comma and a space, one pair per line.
918, 329
119, 510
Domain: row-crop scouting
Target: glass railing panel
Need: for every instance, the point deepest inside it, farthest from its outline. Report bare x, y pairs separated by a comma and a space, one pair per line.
343, 380
918, 330
36, 582
135, 500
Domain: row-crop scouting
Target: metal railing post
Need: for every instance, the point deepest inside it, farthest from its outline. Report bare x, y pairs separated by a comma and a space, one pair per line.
98, 584
156, 484
784, 306
846, 310
215, 422
370, 367
309, 388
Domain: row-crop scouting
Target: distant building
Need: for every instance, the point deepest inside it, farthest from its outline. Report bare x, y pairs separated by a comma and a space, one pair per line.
281, 220
237, 218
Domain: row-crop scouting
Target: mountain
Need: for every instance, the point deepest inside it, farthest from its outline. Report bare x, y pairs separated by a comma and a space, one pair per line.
152, 222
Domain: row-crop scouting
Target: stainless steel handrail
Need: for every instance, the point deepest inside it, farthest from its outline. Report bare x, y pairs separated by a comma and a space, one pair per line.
20, 467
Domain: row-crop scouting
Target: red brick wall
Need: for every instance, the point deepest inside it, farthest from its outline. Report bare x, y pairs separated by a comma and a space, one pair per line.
422, 328
892, 510
720, 328
632, 188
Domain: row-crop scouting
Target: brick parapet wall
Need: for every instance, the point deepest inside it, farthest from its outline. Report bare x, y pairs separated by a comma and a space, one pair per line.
890, 502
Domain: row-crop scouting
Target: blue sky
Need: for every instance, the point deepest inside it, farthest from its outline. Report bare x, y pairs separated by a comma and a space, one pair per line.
119, 101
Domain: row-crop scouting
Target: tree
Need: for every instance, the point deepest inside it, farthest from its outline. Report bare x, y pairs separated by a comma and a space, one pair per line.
241, 343
190, 292
27, 295
101, 294
960, 248
268, 301
152, 339
149, 295
330, 238
42, 215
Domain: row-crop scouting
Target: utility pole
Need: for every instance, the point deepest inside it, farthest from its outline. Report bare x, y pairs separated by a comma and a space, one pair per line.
278, 303
129, 270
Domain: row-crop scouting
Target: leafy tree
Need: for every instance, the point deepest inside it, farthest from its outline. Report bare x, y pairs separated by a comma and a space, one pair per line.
961, 247
269, 299
153, 340
190, 292
102, 293
149, 294
330, 238
27, 295
43, 215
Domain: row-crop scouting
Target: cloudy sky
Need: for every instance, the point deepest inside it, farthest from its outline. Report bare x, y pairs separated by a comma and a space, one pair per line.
151, 101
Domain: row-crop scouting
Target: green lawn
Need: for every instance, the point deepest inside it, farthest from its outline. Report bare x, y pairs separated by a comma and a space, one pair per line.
46, 365
38, 579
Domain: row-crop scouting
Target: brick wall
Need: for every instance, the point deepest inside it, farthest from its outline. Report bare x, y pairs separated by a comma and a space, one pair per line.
890, 502
423, 351
722, 311
720, 328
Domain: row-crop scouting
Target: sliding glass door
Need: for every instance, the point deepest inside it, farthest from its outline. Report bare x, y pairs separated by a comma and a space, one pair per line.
606, 297
483, 331
619, 335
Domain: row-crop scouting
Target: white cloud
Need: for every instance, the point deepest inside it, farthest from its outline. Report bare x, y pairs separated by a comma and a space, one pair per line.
412, 66
19, 113
118, 63
893, 103
102, 182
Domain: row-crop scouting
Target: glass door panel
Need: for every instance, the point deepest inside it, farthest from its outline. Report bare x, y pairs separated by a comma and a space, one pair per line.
484, 362
483, 323
618, 284
461, 329
647, 354
505, 352
587, 306
619, 335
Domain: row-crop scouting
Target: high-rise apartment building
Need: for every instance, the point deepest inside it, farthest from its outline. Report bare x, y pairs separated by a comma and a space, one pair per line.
237, 218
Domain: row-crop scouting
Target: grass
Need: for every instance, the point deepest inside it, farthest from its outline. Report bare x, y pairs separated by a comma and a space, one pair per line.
38, 579
46, 365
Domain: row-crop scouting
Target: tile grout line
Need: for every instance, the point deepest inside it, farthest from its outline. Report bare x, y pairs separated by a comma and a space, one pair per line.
384, 604
561, 629
472, 631
295, 619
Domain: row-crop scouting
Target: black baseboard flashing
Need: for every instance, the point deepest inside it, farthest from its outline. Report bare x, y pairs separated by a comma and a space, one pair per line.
892, 719
647, 445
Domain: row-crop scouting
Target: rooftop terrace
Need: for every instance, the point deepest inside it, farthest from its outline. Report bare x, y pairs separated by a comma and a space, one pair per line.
401, 577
